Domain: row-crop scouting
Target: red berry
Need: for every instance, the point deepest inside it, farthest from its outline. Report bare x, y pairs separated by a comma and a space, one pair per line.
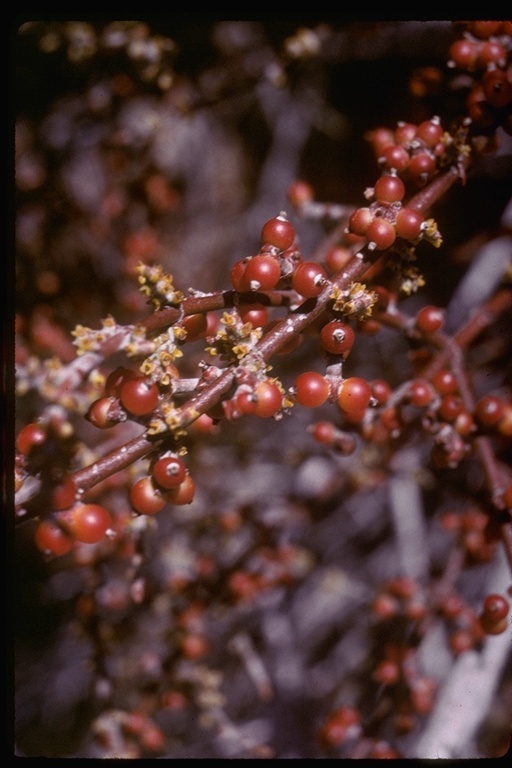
278, 232
389, 188
49, 537
463, 54
430, 132
422, 167
497, 87
408, 223
450, 408
489, 409
420, 393
381, 233
184, 493
269, 399
299, 193
337, 257
445, 381
64, 494
236, 274
484, 29
405, 133
430, 319
146, 498
309, 279
495, 607
139, 396
354, 395
196, 326
359, 221
31, 436
102, 412
255, 314
395, 156
337, 338
262, 273
169, 472
311, 389
117, 378
87, 523
381, 391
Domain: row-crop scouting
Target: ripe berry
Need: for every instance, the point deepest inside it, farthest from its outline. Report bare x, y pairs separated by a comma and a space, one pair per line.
497, 87
31, 436
311, 389
422, 167
196, 326
354, 395
462, 54
381, 234
489, 409
169, 472
430, 319
430, 132
139, 396
87, 523
408, 223
146, 498
49, 537
63, 494
309, 279
278, 232
184, 493
262, 273
337, 338
255, 314
269, 399
299, 193
395, 156
420, 393
445, 381
495, 607
117, 378
389, 188
359, 221
102, 412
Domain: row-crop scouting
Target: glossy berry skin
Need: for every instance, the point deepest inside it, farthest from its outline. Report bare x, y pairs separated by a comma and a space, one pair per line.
359, 221
429, 132
255, 314
100, 412
429, 319
183, 494
311, 389
30, 437
495, 607
146, 498
87, 523
488, 410
337, 338
389, 188
49, 537
278, 232
169, 472
117, 378
269, 399
444, 381
354, 395
262, 273
408, 223
381, 233
139, 396
309, 279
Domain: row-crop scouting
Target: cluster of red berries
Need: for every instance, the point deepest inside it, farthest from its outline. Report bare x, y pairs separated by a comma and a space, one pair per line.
386, 218
127, 392
484, 52
477, 534
411, 150
168, 483
278, 260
